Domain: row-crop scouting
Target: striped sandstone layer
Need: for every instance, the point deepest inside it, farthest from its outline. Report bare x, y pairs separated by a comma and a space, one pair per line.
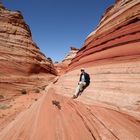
61, 67
22, 64
109, 109
111, 55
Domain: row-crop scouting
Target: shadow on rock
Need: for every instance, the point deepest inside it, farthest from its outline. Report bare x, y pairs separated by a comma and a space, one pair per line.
57, 104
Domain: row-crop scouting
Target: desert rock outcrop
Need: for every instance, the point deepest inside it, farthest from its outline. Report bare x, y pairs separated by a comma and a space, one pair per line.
22, 64
62, 66
109, 108
111, 55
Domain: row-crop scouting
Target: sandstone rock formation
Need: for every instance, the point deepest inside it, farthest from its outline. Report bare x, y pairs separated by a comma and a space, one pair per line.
56, 117
117, 34
68, 58
61, 67
109, 109
111, 55
22, 64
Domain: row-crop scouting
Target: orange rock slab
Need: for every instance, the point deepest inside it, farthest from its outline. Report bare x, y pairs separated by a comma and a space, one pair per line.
70, 120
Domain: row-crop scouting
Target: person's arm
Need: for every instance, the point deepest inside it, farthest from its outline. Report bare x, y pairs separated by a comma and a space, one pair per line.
80, 78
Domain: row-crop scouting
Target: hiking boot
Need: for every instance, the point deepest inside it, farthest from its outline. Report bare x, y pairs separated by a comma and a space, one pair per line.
74, 96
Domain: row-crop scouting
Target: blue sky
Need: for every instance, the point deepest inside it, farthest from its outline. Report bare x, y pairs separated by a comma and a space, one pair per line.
57, 25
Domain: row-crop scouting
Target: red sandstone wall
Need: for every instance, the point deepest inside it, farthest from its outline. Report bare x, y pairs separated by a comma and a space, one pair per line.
21, 61
61, 67
118, 34
111, 55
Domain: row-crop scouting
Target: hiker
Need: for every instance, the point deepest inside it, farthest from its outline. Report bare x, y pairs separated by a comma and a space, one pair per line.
83, 82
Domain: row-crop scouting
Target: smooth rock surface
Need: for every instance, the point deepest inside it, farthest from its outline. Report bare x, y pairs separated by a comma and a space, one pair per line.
111, 55
56, 117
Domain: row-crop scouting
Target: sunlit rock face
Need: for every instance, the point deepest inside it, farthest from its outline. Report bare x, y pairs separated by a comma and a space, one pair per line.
72, 53
20, 58
117, 34
62, 66
111, 55
109, 108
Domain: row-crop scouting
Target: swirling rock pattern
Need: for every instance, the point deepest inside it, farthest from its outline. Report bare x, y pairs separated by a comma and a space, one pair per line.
109, 108
111, 55
56, 117
117, 35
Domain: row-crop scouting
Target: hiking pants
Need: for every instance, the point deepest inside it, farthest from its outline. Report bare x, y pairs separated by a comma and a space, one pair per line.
79, 87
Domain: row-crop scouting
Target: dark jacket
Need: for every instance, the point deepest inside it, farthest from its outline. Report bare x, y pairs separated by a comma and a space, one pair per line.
87, 78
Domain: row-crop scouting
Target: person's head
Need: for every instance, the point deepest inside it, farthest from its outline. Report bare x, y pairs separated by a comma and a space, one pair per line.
82, 70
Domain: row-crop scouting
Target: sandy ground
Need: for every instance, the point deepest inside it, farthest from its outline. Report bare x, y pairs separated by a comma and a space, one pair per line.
9, 109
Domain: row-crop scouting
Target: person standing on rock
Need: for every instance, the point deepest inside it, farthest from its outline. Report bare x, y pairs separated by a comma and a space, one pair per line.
83, 83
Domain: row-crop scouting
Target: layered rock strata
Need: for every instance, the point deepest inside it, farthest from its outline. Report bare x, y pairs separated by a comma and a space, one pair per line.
21, 61
56, 117
113, 96
62, 66
117, 35
72, 53
111, 55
